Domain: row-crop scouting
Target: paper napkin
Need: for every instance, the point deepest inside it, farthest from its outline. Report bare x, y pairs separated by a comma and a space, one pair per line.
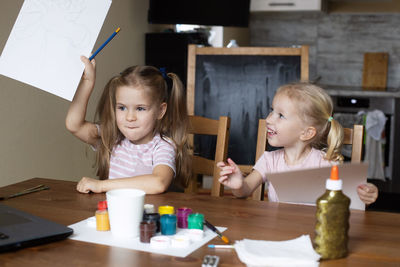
295, 252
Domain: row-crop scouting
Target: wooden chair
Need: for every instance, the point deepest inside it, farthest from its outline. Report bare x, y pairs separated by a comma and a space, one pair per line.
205, 126
261, 146
352, 136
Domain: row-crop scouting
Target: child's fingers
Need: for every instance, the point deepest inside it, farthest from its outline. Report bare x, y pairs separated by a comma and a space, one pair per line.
87, 62
221, 164
84, 59
223, 180
225, 172
366, 195
231, 162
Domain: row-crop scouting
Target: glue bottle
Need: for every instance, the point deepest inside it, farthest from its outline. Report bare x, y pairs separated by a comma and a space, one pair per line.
102, 221
331, 229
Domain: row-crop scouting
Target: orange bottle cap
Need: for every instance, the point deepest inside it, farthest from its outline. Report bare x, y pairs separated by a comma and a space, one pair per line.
102, 205
335, 172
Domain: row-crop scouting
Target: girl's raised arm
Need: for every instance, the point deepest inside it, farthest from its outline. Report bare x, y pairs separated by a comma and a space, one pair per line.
75, 120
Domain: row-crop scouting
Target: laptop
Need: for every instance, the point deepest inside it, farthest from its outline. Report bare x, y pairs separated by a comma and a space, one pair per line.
307, 185
19, 229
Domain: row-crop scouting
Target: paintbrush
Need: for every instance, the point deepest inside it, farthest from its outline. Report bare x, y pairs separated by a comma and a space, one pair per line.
214, 229
27, 191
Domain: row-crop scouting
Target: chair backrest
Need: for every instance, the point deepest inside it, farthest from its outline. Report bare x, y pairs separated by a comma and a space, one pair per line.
352, 136
261, 146
205, 126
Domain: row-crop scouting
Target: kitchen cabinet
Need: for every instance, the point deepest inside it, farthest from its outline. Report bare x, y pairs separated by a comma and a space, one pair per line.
287, 5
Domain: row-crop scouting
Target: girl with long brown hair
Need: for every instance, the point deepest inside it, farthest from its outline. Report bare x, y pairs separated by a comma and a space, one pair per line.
140, 134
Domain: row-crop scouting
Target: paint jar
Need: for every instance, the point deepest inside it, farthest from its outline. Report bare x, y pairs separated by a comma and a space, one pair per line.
147, 231
153, 217
182, 215
102, 220
195, 221
166, 210
168, 224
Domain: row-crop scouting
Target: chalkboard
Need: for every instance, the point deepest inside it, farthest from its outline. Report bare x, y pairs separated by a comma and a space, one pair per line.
239, 83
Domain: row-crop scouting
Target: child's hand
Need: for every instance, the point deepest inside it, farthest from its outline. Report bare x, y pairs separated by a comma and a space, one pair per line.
368, 193
87, 185
90, 69
230, 174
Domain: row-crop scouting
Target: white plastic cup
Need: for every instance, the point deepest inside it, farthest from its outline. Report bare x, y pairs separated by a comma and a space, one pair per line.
125, 211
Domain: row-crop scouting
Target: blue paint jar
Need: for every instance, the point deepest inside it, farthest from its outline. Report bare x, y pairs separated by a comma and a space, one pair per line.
168, 224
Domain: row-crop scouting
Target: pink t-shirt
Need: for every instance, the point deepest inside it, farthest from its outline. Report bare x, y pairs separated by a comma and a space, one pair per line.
274, 161
128, 159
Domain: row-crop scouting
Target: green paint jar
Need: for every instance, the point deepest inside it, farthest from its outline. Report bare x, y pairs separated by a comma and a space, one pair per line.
195, 221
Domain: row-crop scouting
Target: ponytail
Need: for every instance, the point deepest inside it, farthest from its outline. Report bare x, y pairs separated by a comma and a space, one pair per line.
175, 125
334, 140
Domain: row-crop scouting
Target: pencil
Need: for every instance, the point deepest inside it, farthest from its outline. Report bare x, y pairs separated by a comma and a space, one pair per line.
221, 246
214, 229
105, 43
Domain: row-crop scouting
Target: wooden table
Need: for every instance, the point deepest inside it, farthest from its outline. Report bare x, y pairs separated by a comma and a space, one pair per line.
374, 236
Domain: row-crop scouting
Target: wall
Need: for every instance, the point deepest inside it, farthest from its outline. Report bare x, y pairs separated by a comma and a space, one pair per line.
33, 138
337, 41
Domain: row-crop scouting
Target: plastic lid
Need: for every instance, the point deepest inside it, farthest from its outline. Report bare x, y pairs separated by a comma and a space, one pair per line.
102, 205
180, 241
148, 208
166, 210
195, 234
334, 183
160, 242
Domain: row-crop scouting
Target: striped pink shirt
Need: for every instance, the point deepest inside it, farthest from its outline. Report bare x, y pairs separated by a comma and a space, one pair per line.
128, 159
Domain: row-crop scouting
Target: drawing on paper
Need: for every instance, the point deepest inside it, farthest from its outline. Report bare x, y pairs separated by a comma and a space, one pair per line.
47, 39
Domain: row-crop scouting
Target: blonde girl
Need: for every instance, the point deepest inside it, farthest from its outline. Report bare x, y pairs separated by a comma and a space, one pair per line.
140, 136
301, 123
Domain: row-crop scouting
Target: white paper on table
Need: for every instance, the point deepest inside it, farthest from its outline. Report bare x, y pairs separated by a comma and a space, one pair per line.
83, 231
47, 40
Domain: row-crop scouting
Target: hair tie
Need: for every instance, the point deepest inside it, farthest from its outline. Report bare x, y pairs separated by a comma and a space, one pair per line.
330, 119
164, 72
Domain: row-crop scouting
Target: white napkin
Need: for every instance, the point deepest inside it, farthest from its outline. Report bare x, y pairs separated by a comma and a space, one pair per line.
295, 252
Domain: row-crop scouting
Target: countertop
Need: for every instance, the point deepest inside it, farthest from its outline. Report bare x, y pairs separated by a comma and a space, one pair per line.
335, 90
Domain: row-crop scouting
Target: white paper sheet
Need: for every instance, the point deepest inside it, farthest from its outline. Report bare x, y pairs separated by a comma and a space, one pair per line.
83, 231
47, 39
307, 185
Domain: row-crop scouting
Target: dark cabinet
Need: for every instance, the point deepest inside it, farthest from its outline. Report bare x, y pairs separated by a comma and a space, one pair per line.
169, 50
